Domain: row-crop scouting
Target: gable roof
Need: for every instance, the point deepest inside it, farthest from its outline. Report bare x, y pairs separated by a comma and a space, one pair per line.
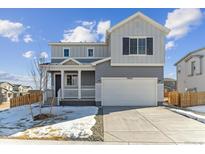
190, 53
144, 17
70, 59
6, 82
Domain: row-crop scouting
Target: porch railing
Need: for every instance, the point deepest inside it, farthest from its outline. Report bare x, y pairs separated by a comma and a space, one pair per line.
86, 92
71, 93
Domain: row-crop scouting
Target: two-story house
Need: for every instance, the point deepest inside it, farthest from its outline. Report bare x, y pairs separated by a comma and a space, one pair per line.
125, 70
190, 71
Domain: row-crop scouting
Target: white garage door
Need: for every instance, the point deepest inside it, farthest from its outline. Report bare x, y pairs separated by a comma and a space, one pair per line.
129, 92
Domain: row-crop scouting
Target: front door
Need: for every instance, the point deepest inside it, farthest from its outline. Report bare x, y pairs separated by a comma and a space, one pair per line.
57, 83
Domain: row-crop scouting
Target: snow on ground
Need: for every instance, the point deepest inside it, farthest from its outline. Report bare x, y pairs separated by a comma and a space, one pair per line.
200, 108
189, 114
68, 122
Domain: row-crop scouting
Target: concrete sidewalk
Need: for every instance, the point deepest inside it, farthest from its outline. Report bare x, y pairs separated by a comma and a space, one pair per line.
153, 125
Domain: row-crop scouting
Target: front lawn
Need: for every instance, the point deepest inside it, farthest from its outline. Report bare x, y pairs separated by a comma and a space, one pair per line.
67, 123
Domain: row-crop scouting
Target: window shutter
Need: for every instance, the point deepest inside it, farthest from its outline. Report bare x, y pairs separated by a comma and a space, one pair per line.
125, 46
150, 46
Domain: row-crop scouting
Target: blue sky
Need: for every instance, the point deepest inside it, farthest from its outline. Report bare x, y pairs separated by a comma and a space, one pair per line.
23, 30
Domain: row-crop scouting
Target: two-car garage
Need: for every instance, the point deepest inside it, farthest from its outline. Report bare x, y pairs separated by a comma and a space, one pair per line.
119, 91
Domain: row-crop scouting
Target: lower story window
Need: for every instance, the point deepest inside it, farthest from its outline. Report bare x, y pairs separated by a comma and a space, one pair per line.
72, 80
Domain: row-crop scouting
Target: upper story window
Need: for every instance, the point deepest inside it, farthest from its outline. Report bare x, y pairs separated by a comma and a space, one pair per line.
66, 52
193, 67
138, 46
90, 52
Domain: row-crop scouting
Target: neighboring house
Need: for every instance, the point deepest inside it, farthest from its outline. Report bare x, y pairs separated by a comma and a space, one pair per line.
6, 91
169, 84
191, 71
125, 70
20, 89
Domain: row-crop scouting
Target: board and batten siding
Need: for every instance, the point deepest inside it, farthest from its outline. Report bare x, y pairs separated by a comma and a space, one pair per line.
79, 50
137, 28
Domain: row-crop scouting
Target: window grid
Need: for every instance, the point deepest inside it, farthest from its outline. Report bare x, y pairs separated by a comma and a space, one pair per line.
136, 50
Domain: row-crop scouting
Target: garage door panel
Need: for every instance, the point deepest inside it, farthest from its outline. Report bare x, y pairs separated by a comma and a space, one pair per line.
129, 92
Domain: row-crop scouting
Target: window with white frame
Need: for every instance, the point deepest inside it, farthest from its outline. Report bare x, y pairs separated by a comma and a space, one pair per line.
90, 52
138, 46
66, 52
71, 79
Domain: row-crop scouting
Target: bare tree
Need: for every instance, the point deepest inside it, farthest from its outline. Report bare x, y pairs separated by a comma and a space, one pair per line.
39, 75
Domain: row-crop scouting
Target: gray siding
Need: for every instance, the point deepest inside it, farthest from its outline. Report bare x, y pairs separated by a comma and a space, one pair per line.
79, 50
87, 78
105, 70
187, 81
137, 28
83, 61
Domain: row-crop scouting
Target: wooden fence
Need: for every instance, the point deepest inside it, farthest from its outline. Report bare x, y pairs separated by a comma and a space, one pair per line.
27, 99
186, 99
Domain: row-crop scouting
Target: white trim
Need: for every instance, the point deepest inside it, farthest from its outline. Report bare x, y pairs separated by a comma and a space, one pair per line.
101, 61
137, 64
122, 78
78, 57
68, 52
77, 43
93, 51
62, 83
66, 60
144, 17
79, 84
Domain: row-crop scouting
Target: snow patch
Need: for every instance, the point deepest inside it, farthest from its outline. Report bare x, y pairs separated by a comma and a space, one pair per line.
200, 108
190, 114
68, 122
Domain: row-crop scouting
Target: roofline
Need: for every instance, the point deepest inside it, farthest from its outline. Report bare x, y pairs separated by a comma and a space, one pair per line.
188, 55
7, 82
77, 43
66, 60
148, 19
101, 61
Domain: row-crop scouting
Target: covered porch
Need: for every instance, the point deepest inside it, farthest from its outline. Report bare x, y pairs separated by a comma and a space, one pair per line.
70, 81
75, 84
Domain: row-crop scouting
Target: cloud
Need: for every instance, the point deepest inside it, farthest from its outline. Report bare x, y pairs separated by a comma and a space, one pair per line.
11, 30
171, 75
17, 79
43, 55
27, 38
181, 21
102, 27
28, 54
87, 24
87, 31
170, 45
79, 34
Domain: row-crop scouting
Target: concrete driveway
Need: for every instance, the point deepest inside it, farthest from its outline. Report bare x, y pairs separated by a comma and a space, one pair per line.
150, 125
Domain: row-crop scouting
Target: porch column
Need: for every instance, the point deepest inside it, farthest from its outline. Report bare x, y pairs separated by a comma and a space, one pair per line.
79, 84
62, 83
